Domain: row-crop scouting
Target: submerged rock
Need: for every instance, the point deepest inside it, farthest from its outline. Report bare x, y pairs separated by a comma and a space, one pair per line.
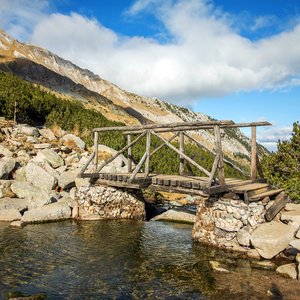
175, 215
51, 212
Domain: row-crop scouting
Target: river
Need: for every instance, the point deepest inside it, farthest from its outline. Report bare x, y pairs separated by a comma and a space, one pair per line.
126, 260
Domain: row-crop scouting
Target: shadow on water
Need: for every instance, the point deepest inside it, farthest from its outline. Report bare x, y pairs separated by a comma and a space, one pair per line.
119, 260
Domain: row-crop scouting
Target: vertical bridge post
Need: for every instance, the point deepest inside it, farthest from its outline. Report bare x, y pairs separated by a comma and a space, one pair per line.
219, 153
96, 150
181, 162
148, 144
129, 166
253, 156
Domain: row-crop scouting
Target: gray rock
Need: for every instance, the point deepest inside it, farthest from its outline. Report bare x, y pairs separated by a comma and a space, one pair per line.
30, 131
24, 189
295, 244
38, 200
82, 182
51, 157
48, 134
269, 239
243, 237
20, 175
291, 216
230, 225
289, 270
67, 180
10, 215
42, 146
13, 203
174, 215
7, 165
5, 151
68, 201
51, 212
292, 206
40, 178
32, 140
17, 224
73, 140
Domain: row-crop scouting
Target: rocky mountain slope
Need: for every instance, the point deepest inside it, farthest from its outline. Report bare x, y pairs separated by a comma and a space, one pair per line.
38, 65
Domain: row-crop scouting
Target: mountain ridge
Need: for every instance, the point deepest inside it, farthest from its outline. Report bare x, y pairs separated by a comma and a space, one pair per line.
39, 65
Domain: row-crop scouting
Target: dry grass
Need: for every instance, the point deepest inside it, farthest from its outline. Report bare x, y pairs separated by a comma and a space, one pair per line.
56, 130
70, 143
76, 130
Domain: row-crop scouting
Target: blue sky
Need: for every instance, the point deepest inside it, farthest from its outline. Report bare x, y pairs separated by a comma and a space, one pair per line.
229, 59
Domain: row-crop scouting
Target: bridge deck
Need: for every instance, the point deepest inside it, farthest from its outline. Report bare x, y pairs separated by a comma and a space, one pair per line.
249, 190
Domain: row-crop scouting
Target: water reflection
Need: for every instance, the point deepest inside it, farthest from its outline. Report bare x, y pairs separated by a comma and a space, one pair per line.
118, 260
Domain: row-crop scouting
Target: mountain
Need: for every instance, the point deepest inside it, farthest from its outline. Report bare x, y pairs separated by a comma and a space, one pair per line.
38, 65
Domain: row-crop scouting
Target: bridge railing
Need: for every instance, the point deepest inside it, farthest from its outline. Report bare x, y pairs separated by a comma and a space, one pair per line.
178, 130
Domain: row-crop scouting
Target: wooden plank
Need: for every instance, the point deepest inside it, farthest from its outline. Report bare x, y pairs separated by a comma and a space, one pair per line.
279, 203
177, 189
253, 157
139, 166
249, 187
217, 189
265, 194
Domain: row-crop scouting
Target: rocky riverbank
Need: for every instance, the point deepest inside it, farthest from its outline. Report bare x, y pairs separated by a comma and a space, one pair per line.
39, 182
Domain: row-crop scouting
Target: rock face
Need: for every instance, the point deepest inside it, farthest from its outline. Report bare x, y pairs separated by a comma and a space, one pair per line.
111, 203
52, 212
269, 239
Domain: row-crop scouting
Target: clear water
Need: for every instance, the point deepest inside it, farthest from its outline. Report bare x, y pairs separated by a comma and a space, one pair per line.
121, 260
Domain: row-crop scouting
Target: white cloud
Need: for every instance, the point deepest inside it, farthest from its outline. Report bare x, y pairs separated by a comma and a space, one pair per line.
203, 58
274, 134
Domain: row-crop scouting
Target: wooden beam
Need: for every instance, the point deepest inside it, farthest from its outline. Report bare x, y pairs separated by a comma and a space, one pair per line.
214, 153
129, 160
259, 169
253, 156
121, 151
139, 166
181, 160
148, 144
96, 151
169, 140
280, 201
166, 125
219, 151
193, 128
182, 154
86, 164
213, 170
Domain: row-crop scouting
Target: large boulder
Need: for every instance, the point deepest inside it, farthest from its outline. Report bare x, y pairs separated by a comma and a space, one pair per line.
269, 239
32, 131
291, 216
175, 215
51, 157
10, 215
52, 212
73, 141
5, 151
67, 180
48, 134
38, 200
24, 189
13, 203
7, 165
40, 178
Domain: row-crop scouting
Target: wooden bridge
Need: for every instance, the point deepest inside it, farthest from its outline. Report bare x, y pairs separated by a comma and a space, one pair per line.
253, 188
